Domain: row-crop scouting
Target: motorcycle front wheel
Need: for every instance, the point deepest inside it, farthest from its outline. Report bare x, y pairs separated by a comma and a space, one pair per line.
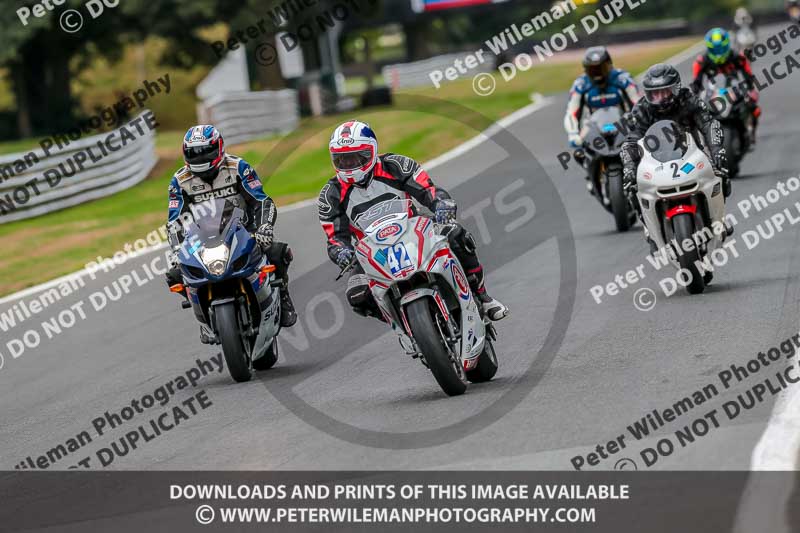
232, 345
616, 193
487, 365
732, 150
269, 359
683, 227
448, 372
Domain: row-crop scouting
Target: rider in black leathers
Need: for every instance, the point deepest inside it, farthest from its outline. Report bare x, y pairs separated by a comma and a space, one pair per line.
666, 99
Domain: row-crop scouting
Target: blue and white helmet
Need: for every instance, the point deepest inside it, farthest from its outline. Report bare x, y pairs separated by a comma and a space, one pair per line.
203, 151
354, 151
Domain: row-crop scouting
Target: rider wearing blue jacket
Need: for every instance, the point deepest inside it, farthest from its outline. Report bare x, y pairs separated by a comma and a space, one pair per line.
209, 173
600, 86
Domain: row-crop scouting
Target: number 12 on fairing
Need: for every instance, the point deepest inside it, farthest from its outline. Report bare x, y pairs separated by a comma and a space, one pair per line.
398, 258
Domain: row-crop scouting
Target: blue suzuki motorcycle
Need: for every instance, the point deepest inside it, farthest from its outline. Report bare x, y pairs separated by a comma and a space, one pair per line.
232, 289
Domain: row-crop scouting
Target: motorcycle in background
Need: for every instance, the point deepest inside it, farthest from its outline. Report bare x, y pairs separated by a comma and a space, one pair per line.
745, 34
602, 144
793, 9
423, 293
729, 106
681, 199
232, 289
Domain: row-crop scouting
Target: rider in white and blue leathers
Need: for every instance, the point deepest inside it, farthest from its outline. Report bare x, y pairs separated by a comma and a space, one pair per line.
209, 172
601, 86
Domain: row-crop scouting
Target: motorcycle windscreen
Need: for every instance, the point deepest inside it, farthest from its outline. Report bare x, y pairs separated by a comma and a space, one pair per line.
606, 117
666, 141
212, 228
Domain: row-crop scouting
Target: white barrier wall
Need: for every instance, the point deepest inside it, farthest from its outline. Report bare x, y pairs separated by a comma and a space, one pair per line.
26, 193
244, 116
416, 74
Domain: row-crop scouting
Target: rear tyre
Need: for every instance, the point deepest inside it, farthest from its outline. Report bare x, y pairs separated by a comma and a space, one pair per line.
232, 344
269, 359
448, 373
683, 227
487, 365
619, 203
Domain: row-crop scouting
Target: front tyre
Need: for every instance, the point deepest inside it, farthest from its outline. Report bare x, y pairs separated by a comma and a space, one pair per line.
487, 365
616, 193
448, 372
732, 151
232, 345
683, 227
269, 359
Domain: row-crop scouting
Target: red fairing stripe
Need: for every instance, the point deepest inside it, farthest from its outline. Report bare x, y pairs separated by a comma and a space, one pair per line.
680, 209
368, 254
421, 243
441, 253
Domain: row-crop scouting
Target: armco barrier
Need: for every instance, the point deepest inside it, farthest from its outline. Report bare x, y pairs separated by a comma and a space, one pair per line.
416, 74
244, 116
111, 173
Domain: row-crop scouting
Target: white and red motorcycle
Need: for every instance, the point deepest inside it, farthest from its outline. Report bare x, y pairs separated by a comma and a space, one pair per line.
422, 291
682, 202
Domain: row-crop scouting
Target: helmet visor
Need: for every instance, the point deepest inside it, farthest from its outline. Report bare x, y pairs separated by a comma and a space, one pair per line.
598, 72
351, 160
198, 155
661, 95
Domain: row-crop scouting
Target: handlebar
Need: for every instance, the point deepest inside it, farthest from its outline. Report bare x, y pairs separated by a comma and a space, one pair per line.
347, 268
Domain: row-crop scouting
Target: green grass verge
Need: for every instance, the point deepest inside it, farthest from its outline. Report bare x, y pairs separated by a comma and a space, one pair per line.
62, 242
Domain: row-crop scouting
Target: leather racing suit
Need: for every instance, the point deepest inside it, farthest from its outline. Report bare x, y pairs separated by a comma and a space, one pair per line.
690, 113
586, 97
393, 177
237, 182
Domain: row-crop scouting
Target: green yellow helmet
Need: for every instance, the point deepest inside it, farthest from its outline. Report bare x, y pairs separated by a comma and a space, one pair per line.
718, 42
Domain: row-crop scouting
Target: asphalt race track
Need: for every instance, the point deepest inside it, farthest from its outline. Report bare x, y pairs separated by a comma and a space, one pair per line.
615, 364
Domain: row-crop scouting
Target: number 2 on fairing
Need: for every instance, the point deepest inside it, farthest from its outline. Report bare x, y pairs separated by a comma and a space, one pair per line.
398, 258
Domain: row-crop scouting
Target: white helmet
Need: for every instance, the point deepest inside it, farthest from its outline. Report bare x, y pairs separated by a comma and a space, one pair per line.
354, 151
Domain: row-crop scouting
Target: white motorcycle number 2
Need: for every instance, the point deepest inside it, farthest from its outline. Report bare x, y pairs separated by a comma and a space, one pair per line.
397, 257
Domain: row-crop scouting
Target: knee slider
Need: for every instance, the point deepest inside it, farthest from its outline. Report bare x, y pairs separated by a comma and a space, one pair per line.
358, 293
280, 253
461, 239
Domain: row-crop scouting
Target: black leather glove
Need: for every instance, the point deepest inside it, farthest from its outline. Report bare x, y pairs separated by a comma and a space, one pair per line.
264, 236
445, 212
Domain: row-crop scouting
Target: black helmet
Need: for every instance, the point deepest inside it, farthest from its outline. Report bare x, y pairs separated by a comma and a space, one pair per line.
597, 64
662, 84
